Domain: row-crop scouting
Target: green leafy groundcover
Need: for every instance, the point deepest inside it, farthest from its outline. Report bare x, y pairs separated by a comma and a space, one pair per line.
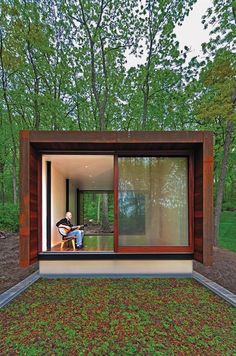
228, 230
118, 317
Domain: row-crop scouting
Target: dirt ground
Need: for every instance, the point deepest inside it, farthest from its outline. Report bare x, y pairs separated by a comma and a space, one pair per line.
10, 271
223, 270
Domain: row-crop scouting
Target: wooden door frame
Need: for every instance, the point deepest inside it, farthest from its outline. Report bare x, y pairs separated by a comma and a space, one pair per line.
142, 249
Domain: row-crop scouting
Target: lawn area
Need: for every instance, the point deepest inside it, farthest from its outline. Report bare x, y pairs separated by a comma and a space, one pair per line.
228, 230
144, 316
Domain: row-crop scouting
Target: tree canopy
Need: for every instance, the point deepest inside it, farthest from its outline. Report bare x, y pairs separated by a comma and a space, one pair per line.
64, 67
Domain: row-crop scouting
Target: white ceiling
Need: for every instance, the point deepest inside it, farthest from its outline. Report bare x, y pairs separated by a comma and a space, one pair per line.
88, 172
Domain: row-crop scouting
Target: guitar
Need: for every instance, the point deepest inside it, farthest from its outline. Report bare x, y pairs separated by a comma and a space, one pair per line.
64, 231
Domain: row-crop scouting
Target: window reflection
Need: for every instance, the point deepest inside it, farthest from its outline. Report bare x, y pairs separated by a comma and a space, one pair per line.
153, 201
131, 213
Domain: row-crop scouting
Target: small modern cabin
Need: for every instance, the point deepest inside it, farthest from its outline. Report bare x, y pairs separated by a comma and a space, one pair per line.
160, 185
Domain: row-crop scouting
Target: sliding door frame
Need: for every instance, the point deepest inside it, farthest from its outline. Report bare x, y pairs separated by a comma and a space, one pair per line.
136, 249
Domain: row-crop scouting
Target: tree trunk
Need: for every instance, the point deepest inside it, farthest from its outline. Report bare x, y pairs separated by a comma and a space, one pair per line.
146, 84
105, 219
2, 166
220, 190
98, 208
145, 106
36, 87
2, 196
11, 120
14, 181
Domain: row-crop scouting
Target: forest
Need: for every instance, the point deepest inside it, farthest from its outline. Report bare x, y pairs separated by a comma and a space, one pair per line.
63, 66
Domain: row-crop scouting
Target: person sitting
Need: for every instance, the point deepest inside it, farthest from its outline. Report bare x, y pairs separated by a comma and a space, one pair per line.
71, 230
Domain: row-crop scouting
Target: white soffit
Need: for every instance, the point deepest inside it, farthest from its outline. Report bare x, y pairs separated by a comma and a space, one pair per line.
88, 172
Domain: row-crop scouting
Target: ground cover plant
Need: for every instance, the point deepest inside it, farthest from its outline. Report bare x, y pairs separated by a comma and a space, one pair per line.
228, 230
118, 317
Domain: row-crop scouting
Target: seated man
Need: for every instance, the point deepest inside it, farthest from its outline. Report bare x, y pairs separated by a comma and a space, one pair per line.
71, 230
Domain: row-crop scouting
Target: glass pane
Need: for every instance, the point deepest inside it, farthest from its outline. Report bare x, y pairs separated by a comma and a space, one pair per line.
98, 212
153, 201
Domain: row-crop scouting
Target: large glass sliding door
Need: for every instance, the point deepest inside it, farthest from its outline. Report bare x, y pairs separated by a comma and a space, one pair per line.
153, 202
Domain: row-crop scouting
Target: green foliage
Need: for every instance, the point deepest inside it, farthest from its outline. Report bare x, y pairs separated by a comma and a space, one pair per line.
64, 67
9, 219
118, 317
218, 92
222, 15
218, 83
228, 230
92, 207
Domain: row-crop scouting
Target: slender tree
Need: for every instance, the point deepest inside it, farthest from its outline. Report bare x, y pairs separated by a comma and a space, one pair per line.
5, 88
223, 16
217, 101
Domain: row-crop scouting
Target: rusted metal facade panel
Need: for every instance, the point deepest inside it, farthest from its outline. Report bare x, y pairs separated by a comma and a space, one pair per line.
29, 201
198, 205
34, 205
191, 199
111, 141
208, 226
117, 137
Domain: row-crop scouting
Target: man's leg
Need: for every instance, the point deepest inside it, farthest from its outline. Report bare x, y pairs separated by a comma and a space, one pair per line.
82, 236
78, 235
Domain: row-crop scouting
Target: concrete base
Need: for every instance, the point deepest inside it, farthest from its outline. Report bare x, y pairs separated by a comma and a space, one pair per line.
13, 292
165, 267
216, 288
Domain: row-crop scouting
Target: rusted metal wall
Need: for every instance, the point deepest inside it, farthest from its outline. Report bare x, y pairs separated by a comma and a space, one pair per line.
30, 196
208, 223
34, 143
34, 205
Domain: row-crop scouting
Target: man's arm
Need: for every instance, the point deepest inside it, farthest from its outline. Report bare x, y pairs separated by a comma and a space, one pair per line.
79, 227
59, 223
64, 226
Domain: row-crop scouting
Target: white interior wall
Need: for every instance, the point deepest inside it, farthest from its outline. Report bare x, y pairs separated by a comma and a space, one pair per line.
58, 202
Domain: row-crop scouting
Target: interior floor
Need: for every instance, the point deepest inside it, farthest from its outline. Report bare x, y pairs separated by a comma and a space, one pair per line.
92, 243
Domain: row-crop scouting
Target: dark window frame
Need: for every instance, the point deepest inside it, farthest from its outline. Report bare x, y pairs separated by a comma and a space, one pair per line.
147, 249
